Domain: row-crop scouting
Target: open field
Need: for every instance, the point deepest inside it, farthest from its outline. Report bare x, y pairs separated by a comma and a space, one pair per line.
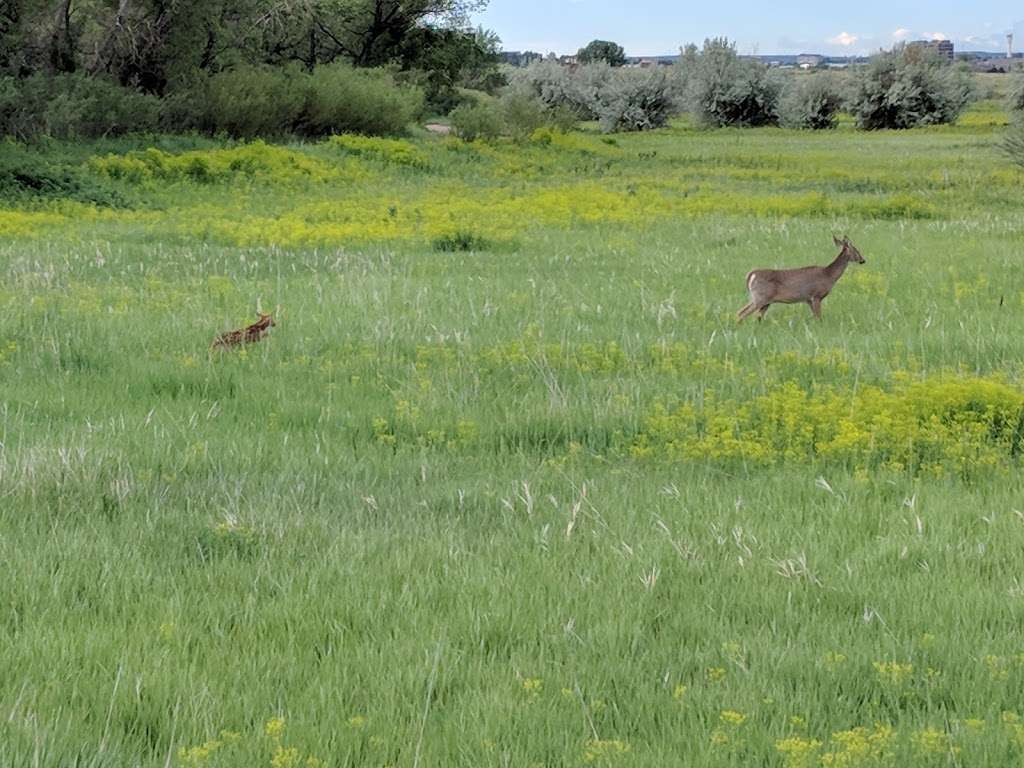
507, 485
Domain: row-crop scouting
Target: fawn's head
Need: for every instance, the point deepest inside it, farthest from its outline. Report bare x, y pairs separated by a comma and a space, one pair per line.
267, 320
848, 249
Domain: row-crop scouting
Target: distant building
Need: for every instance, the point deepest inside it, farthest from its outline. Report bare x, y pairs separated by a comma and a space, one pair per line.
809, 60
943, 47
520, 58
568, 60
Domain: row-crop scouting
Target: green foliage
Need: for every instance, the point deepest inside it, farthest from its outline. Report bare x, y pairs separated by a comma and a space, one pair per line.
440, 61
907, 88
635, 100
72, 106
250, 101
1015, 100
602, 50
721, 89
478, 121
343, 99
1013, 143
26, 176
577, 91
811, 102
460, 240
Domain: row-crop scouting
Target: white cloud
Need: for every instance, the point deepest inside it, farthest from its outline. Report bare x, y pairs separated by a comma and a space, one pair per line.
935, 35
844, 39
901, 34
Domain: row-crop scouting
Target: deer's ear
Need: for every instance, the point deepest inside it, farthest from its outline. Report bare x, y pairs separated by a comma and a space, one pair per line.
836, 240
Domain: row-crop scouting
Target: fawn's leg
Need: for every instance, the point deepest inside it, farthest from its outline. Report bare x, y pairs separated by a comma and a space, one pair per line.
745, 310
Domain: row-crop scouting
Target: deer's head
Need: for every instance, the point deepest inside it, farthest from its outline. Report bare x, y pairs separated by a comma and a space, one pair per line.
848, 249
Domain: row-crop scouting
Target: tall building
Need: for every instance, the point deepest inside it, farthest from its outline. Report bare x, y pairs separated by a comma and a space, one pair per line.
942, 47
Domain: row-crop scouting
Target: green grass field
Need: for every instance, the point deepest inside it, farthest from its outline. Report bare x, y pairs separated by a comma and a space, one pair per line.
507, 485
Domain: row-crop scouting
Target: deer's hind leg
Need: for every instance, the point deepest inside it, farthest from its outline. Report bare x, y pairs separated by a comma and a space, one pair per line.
745, 310
762, 309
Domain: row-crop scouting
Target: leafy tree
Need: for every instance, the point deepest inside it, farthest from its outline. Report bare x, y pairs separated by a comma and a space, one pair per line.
602, 50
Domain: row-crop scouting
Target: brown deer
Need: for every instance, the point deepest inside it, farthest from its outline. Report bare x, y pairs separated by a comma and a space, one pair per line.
246, 335
789, 286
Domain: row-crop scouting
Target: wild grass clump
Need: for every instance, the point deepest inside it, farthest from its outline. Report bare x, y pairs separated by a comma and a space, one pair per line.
907, 88
461, 241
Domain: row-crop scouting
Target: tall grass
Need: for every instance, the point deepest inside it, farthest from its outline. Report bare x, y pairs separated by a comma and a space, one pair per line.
414, 526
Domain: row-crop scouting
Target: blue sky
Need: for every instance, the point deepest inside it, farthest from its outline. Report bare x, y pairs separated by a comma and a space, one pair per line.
648, 27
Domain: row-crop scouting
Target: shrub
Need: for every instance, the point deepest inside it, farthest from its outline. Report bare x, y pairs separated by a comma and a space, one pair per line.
906, 88
247, 102
723, 89
460, 241
1013, 143
343, 99
1015, 102
561, 89
635, 100
28, 176
810, 102
522, 115
72, 106
477, 121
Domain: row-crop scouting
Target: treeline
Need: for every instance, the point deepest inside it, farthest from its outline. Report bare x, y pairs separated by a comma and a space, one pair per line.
243, 67
903, 88
248, 68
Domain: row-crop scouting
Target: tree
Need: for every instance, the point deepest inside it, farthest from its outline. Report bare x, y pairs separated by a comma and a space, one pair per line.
908, 87
602, 50
723, 89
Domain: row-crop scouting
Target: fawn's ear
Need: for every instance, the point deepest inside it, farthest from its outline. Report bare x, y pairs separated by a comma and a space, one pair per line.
836, 240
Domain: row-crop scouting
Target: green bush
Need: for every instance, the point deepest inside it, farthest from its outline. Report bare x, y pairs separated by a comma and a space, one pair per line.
722, 89
247, 102
477, 121
347, 100
28, 176
73, 106
522, 115
635, 100
906, 88
561, 89
258, 101
811, 102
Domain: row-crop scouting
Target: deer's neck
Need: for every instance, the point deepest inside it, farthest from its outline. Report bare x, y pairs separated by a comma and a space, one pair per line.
837, 267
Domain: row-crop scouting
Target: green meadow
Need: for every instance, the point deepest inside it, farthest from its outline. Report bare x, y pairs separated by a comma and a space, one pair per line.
507, 485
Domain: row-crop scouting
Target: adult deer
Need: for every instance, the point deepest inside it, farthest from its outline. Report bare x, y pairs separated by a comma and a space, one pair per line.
789, 286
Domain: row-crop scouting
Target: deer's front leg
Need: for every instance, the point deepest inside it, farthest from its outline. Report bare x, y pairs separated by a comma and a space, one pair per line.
816, 307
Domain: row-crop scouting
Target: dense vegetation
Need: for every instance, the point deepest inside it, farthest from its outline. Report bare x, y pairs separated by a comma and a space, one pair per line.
507, 485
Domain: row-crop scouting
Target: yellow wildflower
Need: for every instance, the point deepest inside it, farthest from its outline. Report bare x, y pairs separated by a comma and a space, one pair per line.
798, 753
